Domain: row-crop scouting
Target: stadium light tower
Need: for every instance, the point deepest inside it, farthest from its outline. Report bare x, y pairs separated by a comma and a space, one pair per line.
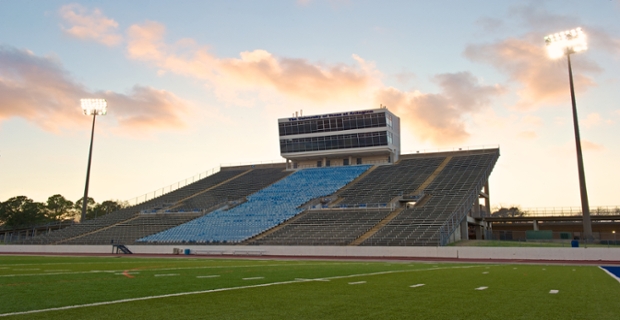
92, 107
561, 44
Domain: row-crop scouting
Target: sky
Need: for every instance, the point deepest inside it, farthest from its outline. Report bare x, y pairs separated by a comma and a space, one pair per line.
195, 85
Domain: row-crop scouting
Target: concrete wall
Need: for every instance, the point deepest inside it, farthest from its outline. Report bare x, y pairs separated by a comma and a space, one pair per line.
575, 254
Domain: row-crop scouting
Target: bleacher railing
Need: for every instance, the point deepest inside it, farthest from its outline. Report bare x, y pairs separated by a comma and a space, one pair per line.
363, 206
175, 186
454, 220
468, 148
570, 211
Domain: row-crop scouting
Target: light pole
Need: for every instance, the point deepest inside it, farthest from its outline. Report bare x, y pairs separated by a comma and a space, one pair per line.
558, 45
92, 107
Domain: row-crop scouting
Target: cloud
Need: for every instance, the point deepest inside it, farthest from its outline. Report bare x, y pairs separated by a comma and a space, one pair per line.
89, 25
527, 135
257, 69
440, 118
593, 119
41, 91
591, 146
541, 80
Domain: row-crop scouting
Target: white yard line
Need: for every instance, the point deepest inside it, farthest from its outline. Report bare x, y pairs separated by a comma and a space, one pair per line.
167, 275
253, 278
209, 276
95, 304
357, 282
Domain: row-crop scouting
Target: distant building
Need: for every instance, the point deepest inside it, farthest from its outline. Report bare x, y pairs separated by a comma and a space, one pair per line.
340, 139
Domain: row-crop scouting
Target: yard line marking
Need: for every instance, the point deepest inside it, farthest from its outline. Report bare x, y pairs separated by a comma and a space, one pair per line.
31, 269
4, 268
417, 285
103, 303
317, 279
554, 291
357, 282
59, 270
481, 288
209, 276
167, 275
254, 278
486, 272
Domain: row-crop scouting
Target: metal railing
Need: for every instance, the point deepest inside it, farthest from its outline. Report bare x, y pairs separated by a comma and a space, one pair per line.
175, 186
363, 206
455, 219
569, 211
468, 148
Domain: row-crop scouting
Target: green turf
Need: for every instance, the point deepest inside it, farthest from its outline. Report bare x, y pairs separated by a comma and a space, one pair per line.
514, 291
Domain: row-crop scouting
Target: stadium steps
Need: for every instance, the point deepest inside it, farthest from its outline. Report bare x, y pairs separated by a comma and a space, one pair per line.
95, 231
274, 229
433, 175
180, 202
396, 212
376, 228
352, 183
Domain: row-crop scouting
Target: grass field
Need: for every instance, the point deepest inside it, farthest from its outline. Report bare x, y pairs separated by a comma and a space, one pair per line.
186, 288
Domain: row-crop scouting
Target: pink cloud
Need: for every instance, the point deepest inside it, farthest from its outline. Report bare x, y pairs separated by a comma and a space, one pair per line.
90, 25
587, 145
527, 135
440, 118
541, 80
41, 91
258, 69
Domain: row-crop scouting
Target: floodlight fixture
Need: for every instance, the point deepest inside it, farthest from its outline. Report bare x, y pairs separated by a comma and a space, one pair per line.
561, 44
91, 107
566, 42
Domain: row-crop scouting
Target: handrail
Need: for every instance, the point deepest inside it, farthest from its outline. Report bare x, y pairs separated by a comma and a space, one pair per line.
468, 148
175, 186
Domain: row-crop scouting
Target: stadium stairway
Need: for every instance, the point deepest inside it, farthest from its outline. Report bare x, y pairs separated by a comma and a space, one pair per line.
395, 213
263, 210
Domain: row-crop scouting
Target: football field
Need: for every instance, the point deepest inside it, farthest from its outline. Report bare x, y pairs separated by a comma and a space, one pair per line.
33, 287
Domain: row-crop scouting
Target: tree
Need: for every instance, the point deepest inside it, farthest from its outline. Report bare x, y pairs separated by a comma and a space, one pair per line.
89, 206
508, 212
59, 208
22, 211
104, 208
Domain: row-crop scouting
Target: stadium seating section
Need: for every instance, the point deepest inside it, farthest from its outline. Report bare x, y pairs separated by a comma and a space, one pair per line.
347, 205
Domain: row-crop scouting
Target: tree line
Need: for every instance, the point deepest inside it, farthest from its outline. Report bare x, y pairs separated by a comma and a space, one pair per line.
22, 211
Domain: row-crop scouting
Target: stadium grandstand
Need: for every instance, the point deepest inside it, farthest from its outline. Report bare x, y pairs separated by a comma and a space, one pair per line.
344, 183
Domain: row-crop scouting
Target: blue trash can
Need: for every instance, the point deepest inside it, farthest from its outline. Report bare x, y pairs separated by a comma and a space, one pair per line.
187, 251
574, 243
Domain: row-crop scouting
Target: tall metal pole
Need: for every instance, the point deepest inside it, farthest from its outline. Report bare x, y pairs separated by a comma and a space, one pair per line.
585, 207
90, 155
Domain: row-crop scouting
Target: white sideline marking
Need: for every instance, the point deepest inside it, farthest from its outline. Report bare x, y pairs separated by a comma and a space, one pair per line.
254, 278
416, 285
609, 273
210, 276
167, 275
486, 272
482, 288
169, 269
554, 291
59, 270
358, 282
32, 269
103, 303
317, 279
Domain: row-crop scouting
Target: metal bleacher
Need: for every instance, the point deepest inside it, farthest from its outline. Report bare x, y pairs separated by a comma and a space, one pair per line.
452, 194
325, 227
88, 228
263, 210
